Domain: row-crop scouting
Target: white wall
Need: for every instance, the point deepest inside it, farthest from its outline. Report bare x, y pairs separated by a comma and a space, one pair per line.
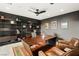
71, 31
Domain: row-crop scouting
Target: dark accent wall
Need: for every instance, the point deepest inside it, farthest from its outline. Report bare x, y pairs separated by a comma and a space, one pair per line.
5, 24
71, 31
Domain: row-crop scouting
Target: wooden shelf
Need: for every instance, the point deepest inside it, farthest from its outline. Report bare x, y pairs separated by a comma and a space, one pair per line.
6, 28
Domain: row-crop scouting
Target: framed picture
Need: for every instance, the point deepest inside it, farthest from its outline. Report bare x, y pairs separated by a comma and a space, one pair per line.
46, 25
64, 25
53, 25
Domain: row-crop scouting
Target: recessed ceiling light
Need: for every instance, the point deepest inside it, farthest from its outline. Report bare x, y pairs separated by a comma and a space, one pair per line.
61, 10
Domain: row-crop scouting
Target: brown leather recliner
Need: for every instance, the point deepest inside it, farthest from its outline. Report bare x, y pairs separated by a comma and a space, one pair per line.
54, 51
73, 52
22, 50
27, 48
72, 48
73, 43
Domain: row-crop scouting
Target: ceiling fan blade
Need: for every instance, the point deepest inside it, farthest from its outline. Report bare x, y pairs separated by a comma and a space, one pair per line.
42, 11
35, 9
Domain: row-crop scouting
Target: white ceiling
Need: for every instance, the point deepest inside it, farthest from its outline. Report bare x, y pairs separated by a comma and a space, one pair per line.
51, 10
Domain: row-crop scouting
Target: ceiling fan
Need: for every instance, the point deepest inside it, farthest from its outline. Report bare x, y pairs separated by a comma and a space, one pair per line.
37, 11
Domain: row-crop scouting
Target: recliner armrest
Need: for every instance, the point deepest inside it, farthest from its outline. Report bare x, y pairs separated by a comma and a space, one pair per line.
41, 53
